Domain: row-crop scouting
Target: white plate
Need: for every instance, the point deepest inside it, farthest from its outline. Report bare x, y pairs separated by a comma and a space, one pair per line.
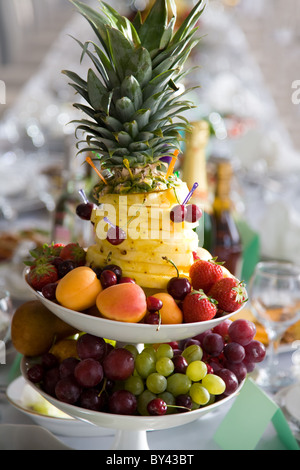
28, 437
68, 426
126, 422
128, 332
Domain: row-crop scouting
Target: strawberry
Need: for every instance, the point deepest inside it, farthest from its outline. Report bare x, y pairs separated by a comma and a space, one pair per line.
41, 275
198, 307
205, 273
230, 294
44, 254
74, 252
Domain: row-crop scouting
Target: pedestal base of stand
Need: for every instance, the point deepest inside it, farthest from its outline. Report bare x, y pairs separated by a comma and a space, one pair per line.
130, 440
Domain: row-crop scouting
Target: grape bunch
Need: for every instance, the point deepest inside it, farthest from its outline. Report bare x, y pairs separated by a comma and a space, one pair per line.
163, 378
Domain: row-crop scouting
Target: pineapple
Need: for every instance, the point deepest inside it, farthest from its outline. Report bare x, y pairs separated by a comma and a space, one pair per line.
133, 122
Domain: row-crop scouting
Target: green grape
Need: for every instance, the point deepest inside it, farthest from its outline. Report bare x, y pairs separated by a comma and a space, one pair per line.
196, 370
134, 384
178, 384
144, 364
165, 366
214, 384
133, 349
169, 399
192, 353
164, 350
151, 351
142, 401
199, 394
156, 383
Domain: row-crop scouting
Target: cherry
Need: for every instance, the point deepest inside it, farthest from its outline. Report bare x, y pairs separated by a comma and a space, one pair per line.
125, 280
115, 268
157, 407
178, 287
193, 213
108, 278
115, 235
153, 304
85, 209
178, 213
153, 318
183, 212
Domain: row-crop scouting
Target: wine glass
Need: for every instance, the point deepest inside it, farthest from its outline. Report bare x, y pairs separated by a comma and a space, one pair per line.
274, 293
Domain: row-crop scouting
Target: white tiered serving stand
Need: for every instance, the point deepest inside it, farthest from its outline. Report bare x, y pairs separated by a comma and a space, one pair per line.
131, 430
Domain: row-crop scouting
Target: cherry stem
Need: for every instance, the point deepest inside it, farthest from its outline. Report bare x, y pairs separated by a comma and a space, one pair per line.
172, 262
195, 186
83, 196
109, 222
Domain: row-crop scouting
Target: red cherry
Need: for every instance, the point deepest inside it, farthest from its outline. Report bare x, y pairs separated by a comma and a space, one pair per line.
154, 304
108, 279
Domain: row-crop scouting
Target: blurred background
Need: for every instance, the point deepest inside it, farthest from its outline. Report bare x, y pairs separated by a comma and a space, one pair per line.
249, 95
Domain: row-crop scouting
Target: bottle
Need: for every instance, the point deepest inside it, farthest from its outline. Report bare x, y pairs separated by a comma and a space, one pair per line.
194, 170
227, 241
67, 227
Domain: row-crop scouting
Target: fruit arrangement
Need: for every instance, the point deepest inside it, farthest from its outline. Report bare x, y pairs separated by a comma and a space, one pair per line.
162, 378
61, 275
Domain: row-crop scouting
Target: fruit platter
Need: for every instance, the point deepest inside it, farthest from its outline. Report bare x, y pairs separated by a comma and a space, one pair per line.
135, 332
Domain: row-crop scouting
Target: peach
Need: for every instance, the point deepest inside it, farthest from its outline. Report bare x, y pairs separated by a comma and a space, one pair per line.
123, 302
170, 312
78, 289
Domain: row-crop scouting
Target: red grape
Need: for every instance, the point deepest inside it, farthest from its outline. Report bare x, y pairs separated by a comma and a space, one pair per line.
36, 373
92, 399
52, 376
239, 370
49, 360
213, 344
230, 380
180, 364
118, 364
222, 328
67, 367
255, 352
90, 346
234, 352
88, 373
122, 402
68, 390
242, 331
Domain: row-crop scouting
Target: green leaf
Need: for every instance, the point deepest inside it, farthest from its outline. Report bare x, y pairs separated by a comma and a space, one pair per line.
121, 23
131, 88
96, 20
125, 108
154, 25
132, 128
123, 138
189, 22
157, 83
73, 76
97, 93
142, 117
121, 50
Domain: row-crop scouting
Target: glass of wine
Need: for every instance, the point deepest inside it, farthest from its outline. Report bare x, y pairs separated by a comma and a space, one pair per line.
274, 293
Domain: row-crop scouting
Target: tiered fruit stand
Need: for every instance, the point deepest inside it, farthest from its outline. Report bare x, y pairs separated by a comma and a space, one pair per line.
131, 430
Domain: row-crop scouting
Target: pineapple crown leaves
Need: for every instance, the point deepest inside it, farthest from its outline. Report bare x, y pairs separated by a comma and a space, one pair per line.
132, 93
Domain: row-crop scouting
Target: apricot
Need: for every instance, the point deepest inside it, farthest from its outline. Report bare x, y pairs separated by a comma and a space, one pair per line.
123, 302
78, 289
170, 312
34, 329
